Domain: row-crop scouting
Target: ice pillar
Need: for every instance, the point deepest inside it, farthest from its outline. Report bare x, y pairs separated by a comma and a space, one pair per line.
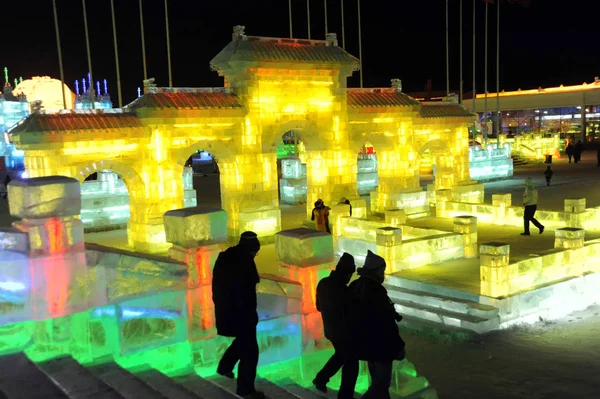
494, 270
306, 256
467, 226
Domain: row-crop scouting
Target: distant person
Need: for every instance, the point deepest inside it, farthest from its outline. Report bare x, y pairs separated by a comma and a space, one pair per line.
320, 215
577, 152
548, 174
345, 201
530, 199
569, 150
332, 302
4, 187
234, 294
373, 330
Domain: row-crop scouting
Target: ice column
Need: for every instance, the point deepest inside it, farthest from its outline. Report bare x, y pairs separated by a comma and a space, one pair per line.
389, 247
575, 212
494, 270
501, 203
198, 235
306, 256
395, 217
48, 209
569, 237
467, 226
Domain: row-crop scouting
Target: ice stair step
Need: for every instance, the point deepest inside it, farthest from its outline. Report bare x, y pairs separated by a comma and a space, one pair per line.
207, 388
305, 393
452, 304
77, 381
124, 382
21, 379
167, 386
446, 317
394, 280
435, 330
271, 390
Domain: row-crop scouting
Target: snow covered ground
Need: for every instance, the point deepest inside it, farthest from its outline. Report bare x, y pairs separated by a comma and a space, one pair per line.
559, 359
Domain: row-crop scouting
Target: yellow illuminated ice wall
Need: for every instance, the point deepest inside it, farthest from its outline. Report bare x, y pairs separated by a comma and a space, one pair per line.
271, 86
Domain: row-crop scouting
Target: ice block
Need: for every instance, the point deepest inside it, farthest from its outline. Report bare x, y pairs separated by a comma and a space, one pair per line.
193, 227
569, 237
53, 235
44, 197
14, 240
304, 247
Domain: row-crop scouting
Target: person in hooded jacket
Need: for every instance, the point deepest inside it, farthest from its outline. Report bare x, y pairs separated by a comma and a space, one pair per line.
530, 199
332, 301
234, 294
373, 329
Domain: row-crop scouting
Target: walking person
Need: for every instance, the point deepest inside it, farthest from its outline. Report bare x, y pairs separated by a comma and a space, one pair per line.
577, 152
332, 302
373, 330
548, 174
569, 150
530, 199
234, 294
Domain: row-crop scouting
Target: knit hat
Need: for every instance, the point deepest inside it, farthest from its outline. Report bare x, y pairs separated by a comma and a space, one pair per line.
346, 264
249, 241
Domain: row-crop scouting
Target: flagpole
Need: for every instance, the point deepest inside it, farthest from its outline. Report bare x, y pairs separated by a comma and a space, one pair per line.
360, 47
89, 55
460, 96
474, 71
60, 63
343, 28
308, 16
114, 26
325, 7
485, 87
447, 54
290, 13
498, 126
143, 41
168, 44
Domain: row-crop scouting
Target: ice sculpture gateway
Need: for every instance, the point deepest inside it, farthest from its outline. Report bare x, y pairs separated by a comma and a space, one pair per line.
271, 86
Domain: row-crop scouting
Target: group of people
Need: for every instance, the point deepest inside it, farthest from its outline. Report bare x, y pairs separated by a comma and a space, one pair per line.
574, 151
359, 319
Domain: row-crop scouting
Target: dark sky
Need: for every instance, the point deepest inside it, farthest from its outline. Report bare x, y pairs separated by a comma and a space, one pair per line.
549, 43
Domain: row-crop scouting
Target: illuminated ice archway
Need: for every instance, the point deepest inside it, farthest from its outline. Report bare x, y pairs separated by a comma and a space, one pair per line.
435, 158
106, 201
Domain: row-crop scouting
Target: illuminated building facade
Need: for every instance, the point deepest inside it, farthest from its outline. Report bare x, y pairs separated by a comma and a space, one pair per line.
272, 86
571, 111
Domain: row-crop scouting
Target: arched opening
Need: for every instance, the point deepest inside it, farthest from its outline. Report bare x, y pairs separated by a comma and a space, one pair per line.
201, 180
367, 175
291, 169
431, 162
426, 168
107, 190
104, 202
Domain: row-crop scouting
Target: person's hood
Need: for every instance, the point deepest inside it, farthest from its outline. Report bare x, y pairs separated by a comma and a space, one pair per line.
374, 268
529, 183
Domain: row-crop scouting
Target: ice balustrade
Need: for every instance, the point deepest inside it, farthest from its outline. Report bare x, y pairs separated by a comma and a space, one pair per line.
403, 247
571, 257
502, 212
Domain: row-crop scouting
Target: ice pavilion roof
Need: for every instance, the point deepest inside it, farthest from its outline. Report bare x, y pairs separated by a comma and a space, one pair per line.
444, 110
266, 49
184, 99
381, 97
86, 120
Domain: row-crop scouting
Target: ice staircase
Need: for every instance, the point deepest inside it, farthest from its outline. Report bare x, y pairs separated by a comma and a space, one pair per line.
64, 377
519, 160
439, 310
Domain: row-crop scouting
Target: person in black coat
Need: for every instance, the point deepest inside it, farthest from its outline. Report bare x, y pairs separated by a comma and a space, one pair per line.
372, 320
332, 301
234, 294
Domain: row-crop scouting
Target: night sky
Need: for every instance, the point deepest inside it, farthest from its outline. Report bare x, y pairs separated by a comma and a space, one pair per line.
549, 43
